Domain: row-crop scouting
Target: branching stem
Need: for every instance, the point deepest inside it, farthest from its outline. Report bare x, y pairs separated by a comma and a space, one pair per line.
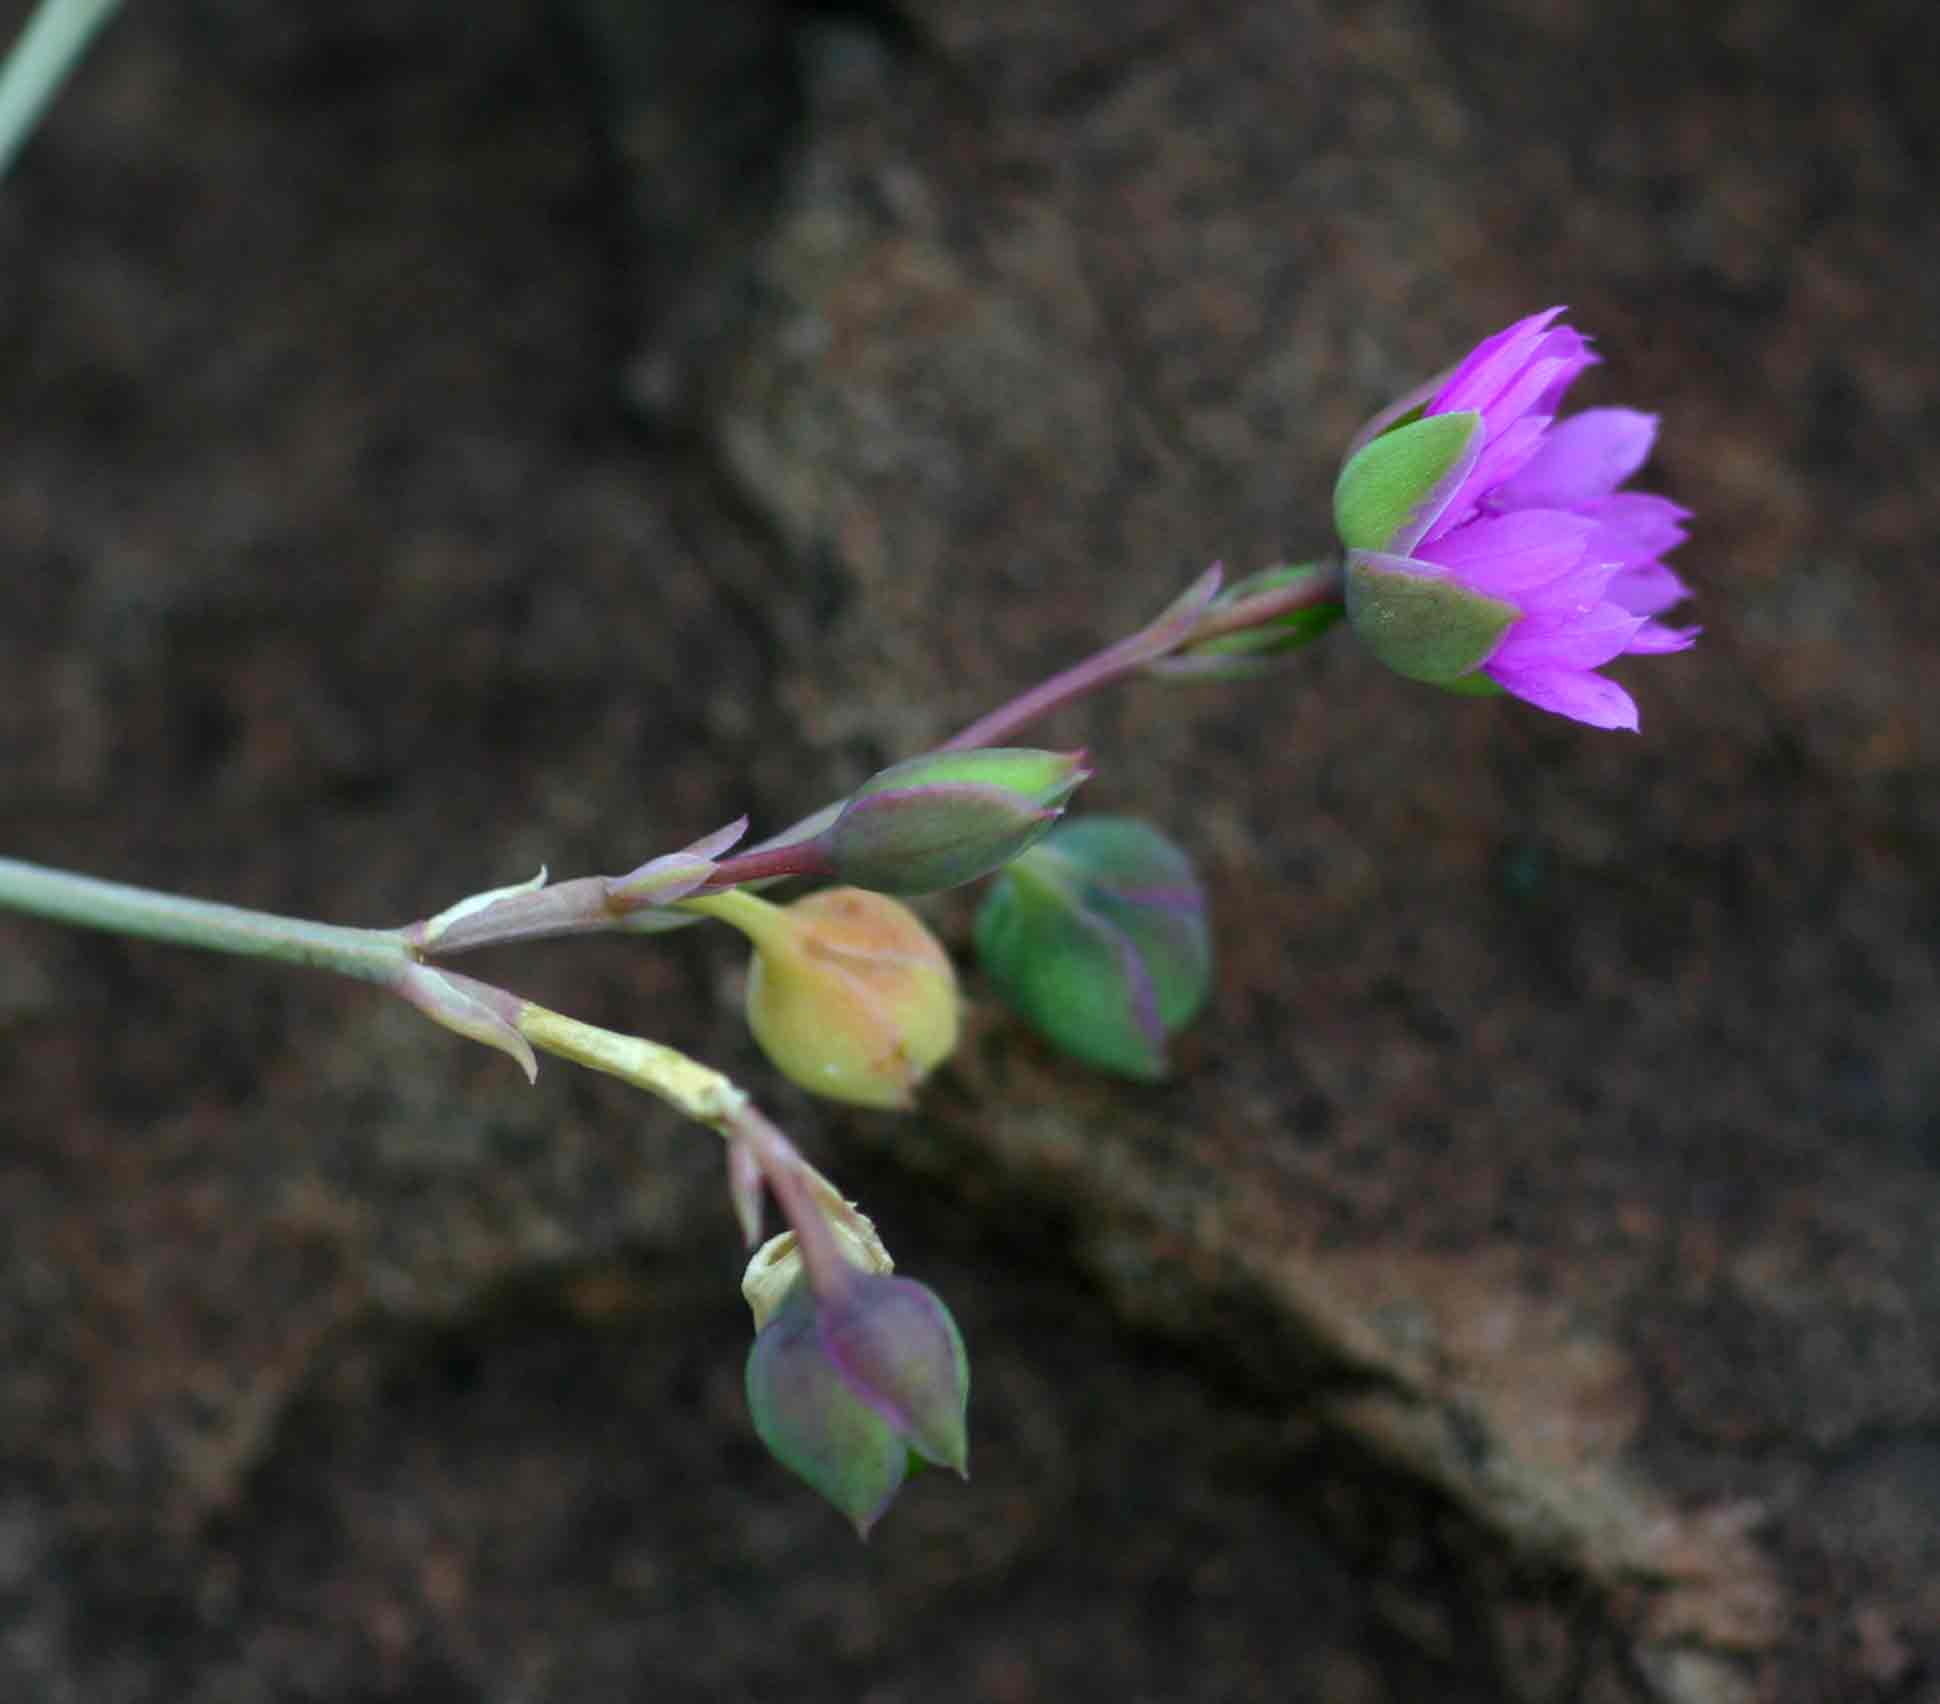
369, 955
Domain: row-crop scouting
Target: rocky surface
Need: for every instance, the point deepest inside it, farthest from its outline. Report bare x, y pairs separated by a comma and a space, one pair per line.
428, 459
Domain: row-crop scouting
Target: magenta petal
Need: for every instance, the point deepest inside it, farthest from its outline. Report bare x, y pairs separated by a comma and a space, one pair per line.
1570, 347
1503, 554
1636, 527
1521, 394
1567, 641
1583, 458
1654, 639
1576, 693
1571, 596
1501, 456
1647, 589
1491, 364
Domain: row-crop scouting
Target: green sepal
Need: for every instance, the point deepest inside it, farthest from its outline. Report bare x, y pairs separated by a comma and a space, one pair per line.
896, 1345
1420, 622
1393, 487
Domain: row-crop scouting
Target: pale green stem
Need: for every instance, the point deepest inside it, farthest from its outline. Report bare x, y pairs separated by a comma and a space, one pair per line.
55, 38
807, 1199
370, 955
762, 922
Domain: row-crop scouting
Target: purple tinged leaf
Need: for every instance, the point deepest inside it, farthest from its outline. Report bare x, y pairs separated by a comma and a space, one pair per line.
675, 875
746, 1190
471, 1008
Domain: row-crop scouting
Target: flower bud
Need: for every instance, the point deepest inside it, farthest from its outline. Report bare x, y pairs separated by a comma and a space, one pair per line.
843, 1390
949, 817
1098, 938
813, 1424
849, 994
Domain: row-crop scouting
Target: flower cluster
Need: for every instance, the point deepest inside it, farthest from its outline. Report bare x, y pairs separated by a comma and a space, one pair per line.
1488, 546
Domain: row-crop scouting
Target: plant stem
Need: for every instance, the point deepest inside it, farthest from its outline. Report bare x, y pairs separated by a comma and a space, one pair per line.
55, 38
770, 863
1176, 630
1114, 662
807, 1199
1247, 613
698, 1091
758, 919
369, 955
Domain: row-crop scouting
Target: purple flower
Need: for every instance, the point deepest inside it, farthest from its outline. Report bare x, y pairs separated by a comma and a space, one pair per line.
1488, 542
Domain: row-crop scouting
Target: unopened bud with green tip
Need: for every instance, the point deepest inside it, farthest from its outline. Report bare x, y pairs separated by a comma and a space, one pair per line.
947, 818
813, 1424
1098, 938
850, 1388
849, 994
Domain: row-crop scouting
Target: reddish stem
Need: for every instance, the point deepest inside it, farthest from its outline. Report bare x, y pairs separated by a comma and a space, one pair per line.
1161, 638
770, 863
1257, 611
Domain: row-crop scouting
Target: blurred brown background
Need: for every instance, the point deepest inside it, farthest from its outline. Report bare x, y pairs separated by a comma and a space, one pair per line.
438, 442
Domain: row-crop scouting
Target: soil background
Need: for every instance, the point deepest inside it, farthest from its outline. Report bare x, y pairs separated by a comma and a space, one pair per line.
440, 442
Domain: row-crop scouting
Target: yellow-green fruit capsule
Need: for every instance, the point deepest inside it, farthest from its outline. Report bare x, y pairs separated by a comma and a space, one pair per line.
849, 994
